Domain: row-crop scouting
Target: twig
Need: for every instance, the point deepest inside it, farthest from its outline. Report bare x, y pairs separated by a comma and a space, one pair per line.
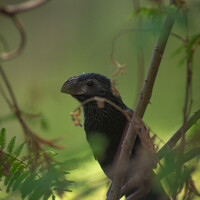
33, 140
21, 7
3, 75
193, 153
145, 96
175, 138
9, 55
179, 37
102, 100
122, 33
4, 43
11, 11
146, 93
140, 56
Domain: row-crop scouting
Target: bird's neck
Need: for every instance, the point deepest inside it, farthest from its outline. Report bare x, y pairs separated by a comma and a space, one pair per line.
105, 118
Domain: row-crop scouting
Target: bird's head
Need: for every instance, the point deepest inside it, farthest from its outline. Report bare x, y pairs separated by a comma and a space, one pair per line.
88, 85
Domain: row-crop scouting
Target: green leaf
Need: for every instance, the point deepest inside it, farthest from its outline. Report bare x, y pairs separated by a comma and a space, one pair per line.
181, 62
19, 149
44, 124
53, 197
12, 171
51, 153
47, 194
20, 179
11, 145
177, 51
3, 138
15, 166
13, 178
28, 186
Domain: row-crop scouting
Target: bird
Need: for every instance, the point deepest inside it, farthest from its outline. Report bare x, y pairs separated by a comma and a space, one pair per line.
104, 125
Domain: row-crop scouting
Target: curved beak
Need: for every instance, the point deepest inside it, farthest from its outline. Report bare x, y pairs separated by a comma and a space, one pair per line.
72, 86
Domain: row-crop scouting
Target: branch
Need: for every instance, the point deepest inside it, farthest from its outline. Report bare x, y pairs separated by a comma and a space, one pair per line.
21, 7
175, 138
140, 52
145, 96
146, 92
100, 103
34, 141
11, 11
193, 153
9, 55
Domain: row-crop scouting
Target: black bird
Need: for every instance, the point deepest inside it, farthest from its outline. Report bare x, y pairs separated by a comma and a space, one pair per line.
104, 126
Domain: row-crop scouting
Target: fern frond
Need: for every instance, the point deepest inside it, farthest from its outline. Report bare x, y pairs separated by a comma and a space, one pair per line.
19, 180
3, 138
11, 145
19, 149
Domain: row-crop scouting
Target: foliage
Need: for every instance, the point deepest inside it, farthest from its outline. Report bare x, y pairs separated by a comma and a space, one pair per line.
41, 182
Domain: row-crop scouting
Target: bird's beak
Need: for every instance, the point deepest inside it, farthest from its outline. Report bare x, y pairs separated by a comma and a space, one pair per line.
71, 86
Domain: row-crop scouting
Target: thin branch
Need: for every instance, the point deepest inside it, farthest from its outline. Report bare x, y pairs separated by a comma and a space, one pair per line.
3, 75
118, 35
193, 153
9, 55
140, 52
4, 43
100, 103
11, 11
34, 141
5, 98
20, 161
145, 96
22, 7
136, 180
175, 138
146, 92
179, 37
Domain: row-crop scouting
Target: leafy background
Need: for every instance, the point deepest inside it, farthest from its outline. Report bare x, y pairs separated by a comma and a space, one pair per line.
67, 38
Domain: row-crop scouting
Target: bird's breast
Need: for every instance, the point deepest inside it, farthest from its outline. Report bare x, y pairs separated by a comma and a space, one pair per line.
104, 128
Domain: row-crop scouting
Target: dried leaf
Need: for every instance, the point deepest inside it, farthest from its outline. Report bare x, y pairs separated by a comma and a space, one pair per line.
114, 89
121, 69
100, 103
76, 117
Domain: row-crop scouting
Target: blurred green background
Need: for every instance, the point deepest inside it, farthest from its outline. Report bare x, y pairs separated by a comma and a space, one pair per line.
69, 37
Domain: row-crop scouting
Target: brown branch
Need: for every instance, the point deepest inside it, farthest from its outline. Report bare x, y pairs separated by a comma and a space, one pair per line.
100, 102
9, 55
145, 96
3, 75
176, 137
140, 56
22, 7
146, 92
193, 153
11, 11
179, 37
34, 141
4, 43
137, 180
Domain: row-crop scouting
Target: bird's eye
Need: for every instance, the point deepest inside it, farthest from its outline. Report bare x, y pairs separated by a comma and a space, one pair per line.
90, 83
